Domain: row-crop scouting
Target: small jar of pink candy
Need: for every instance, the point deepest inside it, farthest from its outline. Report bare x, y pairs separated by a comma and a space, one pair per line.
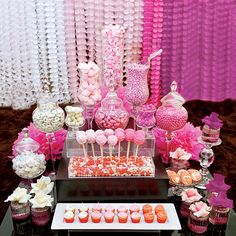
89, 92
146, 116
111, 114
171, 115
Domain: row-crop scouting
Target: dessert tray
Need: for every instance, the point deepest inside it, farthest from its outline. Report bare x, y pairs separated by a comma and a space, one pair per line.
58, 223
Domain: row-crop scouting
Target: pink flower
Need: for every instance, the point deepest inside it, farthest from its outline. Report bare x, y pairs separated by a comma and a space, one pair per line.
190, 195
40, 137
200, 209
180, 154
185, 138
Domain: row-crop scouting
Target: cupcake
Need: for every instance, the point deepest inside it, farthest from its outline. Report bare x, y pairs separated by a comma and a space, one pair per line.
69, 217
159, 208
147, 208
83, 207
149, 217
83, 217
122, 209
96, 216
122, 217
161, 217
97, 207
109, 208
133, 208
70, 208
109, 216
135, 217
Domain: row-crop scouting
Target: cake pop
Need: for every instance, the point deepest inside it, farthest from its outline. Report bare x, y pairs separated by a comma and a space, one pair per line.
119, 130
112, 141
139, 139
121, 137
129, 137
101, 140
91, 138
81, 139
108, 132
99, 132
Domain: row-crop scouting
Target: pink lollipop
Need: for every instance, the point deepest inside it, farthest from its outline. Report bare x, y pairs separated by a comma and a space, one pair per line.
119, 130
108, 132
112, 141
101, 140
99, 132
91, 138
139, 139
121, 137
81, 139
129, 137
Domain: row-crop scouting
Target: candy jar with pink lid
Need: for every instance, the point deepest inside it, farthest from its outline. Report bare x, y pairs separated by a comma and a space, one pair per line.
171, 115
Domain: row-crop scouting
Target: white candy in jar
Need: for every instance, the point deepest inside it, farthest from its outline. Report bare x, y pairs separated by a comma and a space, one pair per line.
28, 164
74, 117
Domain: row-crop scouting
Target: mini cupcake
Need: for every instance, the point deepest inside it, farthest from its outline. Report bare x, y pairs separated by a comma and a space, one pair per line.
133, 208
109, 208
159, 208
135, 217
70, 208
69, 217
149, 217
97, 207
96, 217
122, 209
147, 208
109, 216
83, 217
84, 207
161, 217
122, 217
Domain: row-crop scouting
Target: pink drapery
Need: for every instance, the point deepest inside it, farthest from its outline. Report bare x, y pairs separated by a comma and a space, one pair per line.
199, 49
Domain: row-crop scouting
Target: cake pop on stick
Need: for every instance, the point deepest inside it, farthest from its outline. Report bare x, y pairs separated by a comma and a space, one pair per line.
99, 131
91, 138
129, 137
82, 139
101, 140
121, 137
112, 141
139, 139
108, 132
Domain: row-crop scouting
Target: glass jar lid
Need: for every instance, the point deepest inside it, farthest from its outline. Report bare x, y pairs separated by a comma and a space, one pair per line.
173, 98
27, 143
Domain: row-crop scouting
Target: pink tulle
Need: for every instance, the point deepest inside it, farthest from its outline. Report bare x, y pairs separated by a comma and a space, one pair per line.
186, 138
40, 137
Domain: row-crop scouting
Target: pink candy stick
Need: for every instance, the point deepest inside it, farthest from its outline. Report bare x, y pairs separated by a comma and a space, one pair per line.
139, 139
129, 137
101, 140
120, 134
82, 139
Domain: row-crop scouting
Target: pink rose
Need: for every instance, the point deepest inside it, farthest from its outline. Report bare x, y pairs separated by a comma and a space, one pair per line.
190, 195
180, 154
200, 209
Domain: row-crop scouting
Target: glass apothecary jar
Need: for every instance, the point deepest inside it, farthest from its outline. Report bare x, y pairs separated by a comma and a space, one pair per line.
41, 216
146, 116
111, 114
48, 116
74, 117
20, 211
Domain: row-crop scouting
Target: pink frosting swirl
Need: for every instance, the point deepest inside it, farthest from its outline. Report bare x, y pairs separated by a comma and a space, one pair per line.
200, 209
190, 195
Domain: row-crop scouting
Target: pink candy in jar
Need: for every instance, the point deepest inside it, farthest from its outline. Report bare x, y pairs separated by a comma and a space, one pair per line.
171, 115
111, 114
89, 92
146, 116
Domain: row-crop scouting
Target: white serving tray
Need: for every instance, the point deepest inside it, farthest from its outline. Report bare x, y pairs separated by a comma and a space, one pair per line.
58, 223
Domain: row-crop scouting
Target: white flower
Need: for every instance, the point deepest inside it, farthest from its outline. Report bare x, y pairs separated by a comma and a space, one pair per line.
180, 154
43, 185
190, 195
19, 195
41, 200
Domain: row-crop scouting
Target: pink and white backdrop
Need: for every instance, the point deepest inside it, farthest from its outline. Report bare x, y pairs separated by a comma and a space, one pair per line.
42, 42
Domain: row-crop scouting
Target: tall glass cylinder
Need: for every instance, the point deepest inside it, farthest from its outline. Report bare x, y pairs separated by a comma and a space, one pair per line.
219, 215
197, 224
41, 216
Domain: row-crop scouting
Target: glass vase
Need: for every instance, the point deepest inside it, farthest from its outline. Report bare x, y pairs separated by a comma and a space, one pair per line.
197, 224
20, 211
137, 91
41, 216
219, 215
